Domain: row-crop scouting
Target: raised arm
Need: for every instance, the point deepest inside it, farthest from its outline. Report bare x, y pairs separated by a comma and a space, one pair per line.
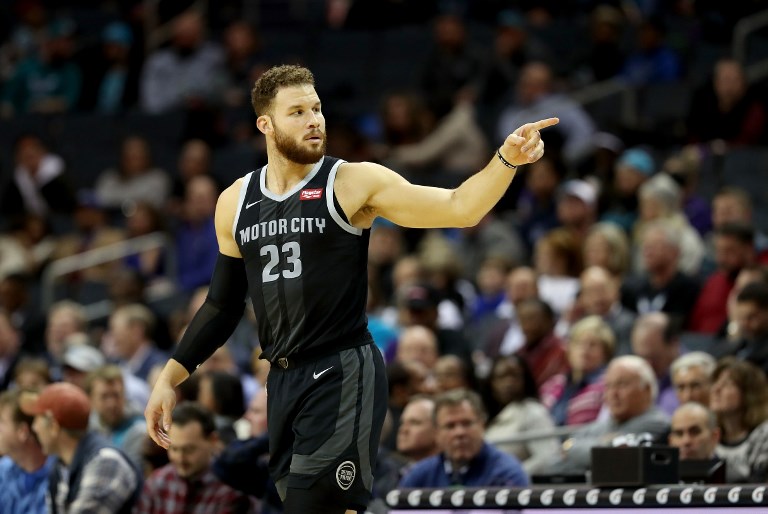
212, 324
391, 196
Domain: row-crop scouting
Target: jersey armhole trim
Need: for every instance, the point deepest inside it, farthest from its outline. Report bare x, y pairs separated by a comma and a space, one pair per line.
241, 198
332, 206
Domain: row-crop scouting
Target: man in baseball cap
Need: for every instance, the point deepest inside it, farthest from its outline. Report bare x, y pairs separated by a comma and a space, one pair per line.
633, 168
63, 403
79, 360
100, 477
577, 206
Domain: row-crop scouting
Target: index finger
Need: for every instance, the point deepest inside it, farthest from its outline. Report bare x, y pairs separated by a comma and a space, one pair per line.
538, 125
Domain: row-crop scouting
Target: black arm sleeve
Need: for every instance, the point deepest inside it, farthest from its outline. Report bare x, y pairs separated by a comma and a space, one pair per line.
219, 315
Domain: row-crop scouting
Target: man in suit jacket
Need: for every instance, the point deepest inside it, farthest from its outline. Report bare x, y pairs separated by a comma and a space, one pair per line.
39, 184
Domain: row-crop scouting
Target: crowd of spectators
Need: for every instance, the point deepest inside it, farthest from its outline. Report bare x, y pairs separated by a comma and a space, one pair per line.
616, 291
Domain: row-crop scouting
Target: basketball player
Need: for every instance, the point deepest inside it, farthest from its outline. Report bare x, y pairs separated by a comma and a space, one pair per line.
294, 235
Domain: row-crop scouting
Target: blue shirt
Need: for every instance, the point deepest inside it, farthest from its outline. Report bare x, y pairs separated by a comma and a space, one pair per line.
197, 250
23, 493
383, 335
490, 468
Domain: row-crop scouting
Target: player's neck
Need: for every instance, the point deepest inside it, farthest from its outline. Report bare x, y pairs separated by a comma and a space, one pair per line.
283, 174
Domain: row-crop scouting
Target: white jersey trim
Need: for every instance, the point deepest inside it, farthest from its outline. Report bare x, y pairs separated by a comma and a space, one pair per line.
332, 206
241, 198
279, 198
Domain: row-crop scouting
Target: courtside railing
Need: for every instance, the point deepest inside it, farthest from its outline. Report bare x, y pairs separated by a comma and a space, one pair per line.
62, 267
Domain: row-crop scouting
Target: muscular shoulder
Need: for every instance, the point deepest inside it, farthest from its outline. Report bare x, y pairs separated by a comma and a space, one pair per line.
361, 173
226, 208
356, 183
350, 174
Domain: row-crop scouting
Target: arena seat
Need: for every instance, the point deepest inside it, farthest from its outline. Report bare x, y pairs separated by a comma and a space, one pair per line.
747, 168
234, 161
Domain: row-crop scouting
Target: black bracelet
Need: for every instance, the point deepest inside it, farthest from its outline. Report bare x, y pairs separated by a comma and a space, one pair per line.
504, 161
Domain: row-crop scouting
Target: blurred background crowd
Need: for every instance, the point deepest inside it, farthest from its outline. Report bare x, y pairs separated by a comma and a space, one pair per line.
620, 280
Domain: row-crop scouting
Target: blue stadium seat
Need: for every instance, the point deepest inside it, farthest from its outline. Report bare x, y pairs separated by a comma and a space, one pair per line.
703, 60
166, 128
89, 143
664, 107
393, 71
747, 168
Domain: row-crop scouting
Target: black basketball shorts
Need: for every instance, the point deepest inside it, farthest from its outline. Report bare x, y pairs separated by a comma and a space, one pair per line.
325, 419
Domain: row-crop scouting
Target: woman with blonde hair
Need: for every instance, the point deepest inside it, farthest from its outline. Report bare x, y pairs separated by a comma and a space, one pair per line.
576, 397
607, 245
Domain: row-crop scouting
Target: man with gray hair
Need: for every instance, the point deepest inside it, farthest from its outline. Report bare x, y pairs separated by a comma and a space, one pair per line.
465, 459
692, 377
416, 434
630, 395
661, 286
660, 199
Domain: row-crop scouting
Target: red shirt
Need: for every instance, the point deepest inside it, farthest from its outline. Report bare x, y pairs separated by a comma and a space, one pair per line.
710, 311
546, 359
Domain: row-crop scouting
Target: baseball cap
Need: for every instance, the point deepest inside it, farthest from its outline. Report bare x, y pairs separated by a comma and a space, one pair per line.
420, 297
638, 160
67, 403
83, 357
581, 189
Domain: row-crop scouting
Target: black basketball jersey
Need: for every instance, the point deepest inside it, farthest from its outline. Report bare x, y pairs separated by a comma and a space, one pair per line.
306, 265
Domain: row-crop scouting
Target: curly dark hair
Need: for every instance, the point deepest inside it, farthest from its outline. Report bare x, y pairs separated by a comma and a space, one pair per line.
271, 81
529, 390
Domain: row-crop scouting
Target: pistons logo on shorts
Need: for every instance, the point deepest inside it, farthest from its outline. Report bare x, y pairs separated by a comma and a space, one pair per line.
345, 474
311, 194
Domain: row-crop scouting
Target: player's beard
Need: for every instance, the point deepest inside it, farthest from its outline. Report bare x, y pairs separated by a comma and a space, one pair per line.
293, 151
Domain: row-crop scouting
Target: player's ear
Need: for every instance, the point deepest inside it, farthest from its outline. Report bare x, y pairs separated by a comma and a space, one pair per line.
264, 123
